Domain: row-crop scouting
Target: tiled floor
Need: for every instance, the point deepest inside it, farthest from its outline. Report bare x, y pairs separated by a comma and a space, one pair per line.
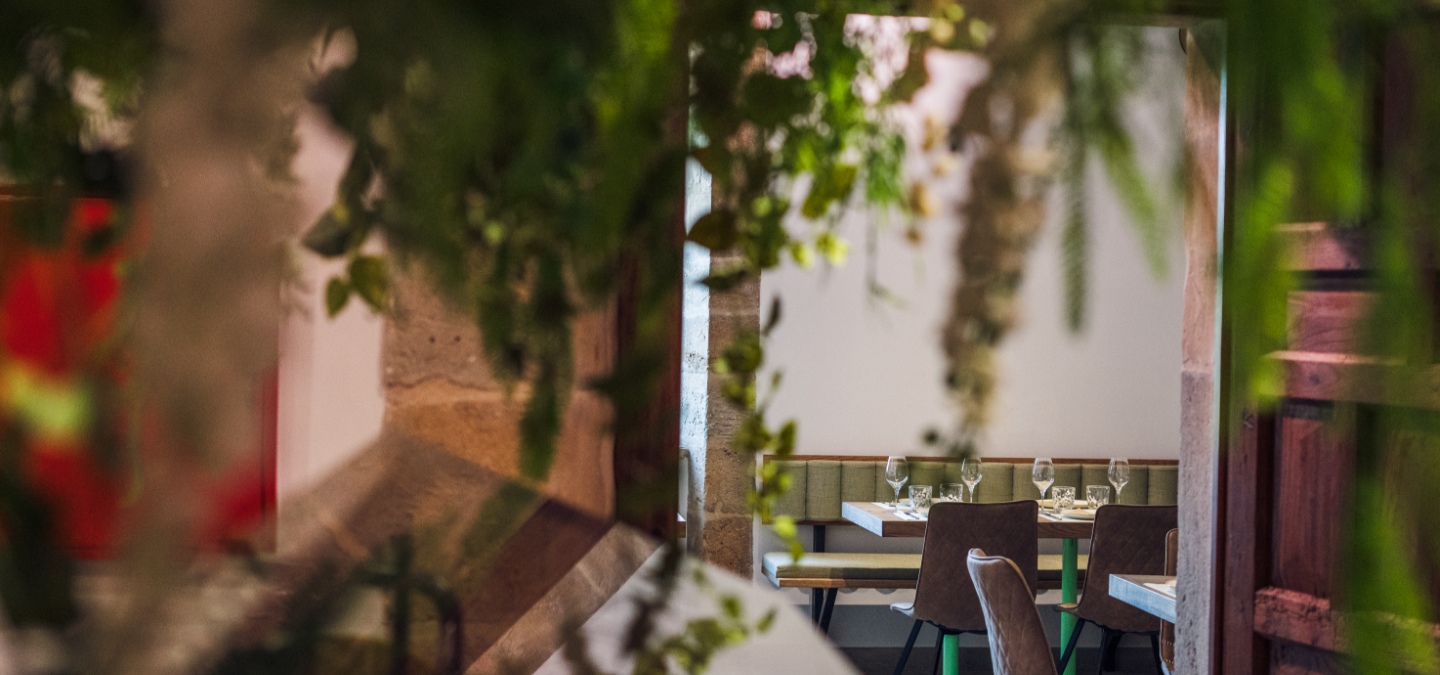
977, 661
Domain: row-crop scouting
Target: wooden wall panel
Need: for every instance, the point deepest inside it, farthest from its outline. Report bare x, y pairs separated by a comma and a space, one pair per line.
1309, 489
1326, 321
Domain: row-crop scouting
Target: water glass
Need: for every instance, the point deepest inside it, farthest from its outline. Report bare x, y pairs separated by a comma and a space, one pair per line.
1097, 496
920, 498
1064, 498
952, 492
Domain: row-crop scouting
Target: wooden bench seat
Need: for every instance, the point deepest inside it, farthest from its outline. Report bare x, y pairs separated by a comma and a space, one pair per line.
826, 573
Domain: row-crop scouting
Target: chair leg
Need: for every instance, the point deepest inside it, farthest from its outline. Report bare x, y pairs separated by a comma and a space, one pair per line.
828, 610
1106, 637
909, 644
1108, 646
1155, 649
939, 650
817, 602
1070, 648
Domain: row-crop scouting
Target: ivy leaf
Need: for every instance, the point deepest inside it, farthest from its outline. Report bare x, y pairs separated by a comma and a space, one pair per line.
774, 318
830, 186
330, 236
337, 295
774, 101
727, 279
715, 230
370, 280
765, 622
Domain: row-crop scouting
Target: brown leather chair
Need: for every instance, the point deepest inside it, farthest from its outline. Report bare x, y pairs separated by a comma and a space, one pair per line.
1167, 629
1018, 645
1126, 540
944, 598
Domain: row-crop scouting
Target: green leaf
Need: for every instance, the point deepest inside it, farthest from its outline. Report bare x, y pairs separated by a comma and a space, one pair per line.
337, 295
726, 279
774, 319
371, 282
716, 230
330, 236
833, 248
765, 622
773, 101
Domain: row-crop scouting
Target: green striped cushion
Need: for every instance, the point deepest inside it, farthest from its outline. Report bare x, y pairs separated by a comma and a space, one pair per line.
995, 482
792, 503
822, 489
1092, 474
1021, 487
1137, 491
1164, 485
883, 491
1050, 566
930, 473
857, 482
1069, 475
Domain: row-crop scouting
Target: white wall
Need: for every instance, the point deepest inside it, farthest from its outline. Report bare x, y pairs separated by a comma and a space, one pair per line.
331, 401
863, 377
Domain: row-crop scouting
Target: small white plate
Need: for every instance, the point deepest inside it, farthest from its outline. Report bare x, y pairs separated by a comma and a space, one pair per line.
1079, 514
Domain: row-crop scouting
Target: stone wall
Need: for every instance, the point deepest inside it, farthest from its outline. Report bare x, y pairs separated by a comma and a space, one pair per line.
438, 388
719, 520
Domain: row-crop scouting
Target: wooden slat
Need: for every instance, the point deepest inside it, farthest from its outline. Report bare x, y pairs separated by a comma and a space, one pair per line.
1247, 539
1309, 482
1321, 247
1297, 617
1327, 321
1358, 379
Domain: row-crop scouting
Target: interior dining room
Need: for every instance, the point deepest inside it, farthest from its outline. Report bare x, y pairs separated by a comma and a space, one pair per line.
1023, 337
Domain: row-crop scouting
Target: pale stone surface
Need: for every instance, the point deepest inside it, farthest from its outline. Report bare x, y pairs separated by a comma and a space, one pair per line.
439, 388
1199, 441
720, 525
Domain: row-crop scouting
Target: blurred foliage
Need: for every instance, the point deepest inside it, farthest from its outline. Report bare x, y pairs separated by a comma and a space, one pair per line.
520, 155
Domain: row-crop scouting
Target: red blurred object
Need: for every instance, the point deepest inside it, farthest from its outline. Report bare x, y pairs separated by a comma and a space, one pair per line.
56, 314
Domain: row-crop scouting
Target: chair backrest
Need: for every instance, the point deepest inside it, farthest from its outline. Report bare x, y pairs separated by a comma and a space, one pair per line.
1018, 645
1167, 629
942, 595
1126, 540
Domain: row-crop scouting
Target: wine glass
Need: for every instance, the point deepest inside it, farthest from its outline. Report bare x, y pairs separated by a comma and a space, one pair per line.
896, 473
1119, 475
970, 475
1043, 475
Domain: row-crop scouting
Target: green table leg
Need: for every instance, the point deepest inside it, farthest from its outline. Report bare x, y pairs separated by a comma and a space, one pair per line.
951, 658
1069, 587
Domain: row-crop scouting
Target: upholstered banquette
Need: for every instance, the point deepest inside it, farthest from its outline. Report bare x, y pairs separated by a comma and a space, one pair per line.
820, 483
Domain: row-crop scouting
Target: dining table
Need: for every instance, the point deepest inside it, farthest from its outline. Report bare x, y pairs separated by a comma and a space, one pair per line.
886, 521
1154, 594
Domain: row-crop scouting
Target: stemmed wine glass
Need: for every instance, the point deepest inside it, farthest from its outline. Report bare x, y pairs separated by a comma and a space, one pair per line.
896, 473
1119, 475
1043, 475
970, 475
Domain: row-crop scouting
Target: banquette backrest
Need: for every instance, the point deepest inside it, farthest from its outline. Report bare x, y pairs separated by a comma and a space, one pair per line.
820, 483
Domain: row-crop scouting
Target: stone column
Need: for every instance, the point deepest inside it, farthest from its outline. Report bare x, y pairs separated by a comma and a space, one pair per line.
721, 528
439, 388
1199, 435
